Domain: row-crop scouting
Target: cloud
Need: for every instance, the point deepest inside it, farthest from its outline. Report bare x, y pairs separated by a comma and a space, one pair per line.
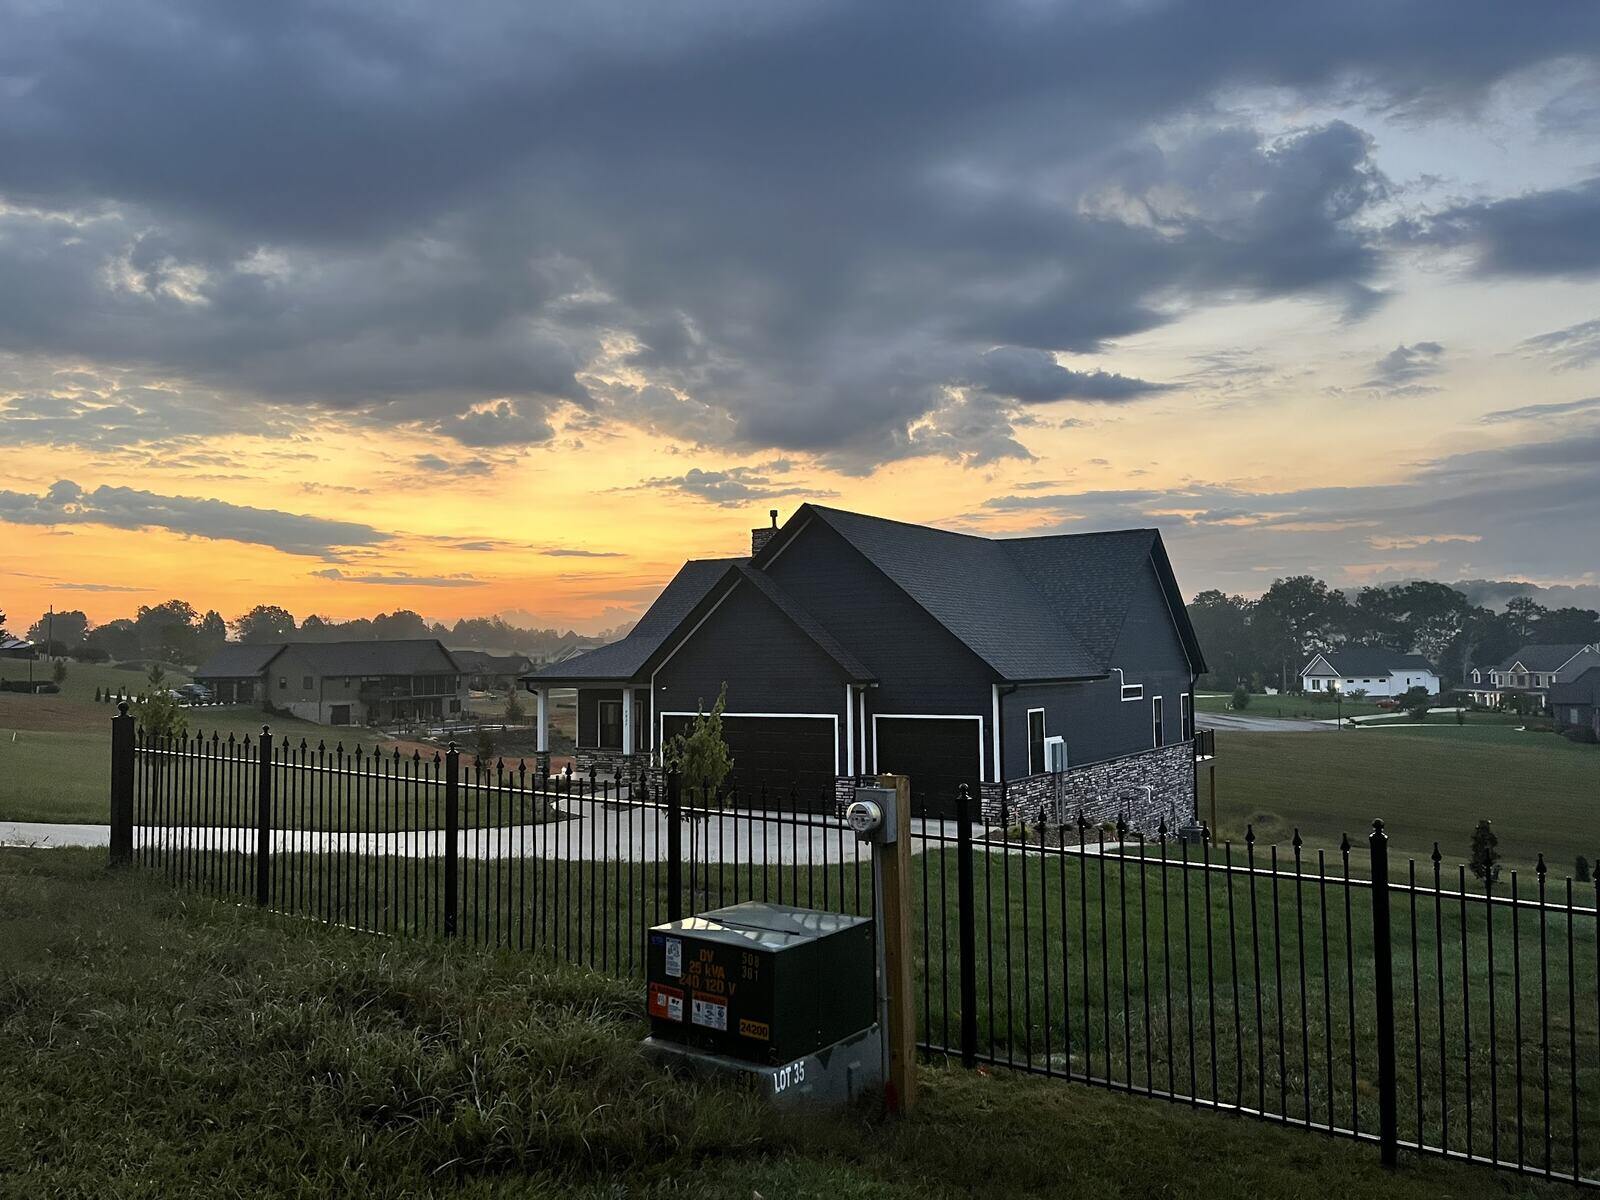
1541, 234
97, 587
1400, 371
568, 552
1035, 377
541, 223
1570, 348
1534, 412
729, 487
434, 464
400, 579
65, 503
1519, 507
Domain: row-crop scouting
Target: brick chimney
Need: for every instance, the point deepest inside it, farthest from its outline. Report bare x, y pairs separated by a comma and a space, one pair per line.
760, 537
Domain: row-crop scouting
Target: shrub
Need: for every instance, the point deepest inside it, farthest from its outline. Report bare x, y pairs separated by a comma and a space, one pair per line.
484, 746
514, 710
1485, 860
1581, 873
1241, 697
59, 671
1417, 703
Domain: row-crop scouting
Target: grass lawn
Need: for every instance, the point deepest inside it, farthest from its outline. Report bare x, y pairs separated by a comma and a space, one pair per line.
1307, 708
1433, 782
160, 1044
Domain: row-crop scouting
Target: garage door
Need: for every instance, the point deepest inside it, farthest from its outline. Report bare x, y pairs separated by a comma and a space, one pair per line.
939, 754
780, 754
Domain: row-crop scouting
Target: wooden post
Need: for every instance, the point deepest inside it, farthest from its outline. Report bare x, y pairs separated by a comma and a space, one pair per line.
894, 871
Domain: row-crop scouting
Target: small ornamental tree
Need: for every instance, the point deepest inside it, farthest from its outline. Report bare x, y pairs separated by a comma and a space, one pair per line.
59, 671
484, 747
1417, 703
700, 754
1581, 874
1485, 861
514, 710
1241, 697
160, 715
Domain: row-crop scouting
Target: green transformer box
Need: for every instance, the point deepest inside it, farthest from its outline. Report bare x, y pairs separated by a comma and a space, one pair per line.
766, 983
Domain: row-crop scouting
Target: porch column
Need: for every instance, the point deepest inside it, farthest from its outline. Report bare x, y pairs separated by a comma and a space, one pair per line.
541, 708
627, 721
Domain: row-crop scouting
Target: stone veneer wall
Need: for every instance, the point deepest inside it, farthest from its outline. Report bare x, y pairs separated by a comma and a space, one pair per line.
1103, 792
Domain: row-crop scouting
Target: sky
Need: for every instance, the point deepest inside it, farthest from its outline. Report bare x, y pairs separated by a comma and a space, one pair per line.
496, 307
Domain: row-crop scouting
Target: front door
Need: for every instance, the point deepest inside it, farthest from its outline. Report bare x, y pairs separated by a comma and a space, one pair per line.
339, 714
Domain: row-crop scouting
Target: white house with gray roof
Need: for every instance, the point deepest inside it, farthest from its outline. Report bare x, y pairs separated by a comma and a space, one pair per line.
1370, 669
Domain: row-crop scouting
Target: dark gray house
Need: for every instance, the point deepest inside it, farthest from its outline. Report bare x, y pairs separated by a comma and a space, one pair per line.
1059, 670
1531, 671
1575, 705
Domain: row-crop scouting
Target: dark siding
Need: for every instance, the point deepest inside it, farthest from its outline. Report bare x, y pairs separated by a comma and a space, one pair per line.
589, 714
922, 667
769, 665
1096, 723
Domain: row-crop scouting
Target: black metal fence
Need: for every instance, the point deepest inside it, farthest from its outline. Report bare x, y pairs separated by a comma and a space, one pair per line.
1409, 1005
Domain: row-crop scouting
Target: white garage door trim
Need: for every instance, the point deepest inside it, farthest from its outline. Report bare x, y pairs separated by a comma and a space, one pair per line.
832, 718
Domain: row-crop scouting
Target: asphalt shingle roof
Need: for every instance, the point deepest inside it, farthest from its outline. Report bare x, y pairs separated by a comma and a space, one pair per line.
1585, 689
406, 656
1040, 608
1372, 660
974, 588
623, 659
238, 660
1542, 658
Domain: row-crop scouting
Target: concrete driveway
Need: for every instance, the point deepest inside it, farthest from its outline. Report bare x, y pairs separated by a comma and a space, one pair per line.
1238, 722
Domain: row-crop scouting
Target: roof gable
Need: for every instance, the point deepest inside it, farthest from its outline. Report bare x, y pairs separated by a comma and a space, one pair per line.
972, 587
1368, 660
235, 660
1537, 657
622, 660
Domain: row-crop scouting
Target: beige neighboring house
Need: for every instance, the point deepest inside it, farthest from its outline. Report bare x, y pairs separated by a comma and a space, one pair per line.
341, 683
1532, 671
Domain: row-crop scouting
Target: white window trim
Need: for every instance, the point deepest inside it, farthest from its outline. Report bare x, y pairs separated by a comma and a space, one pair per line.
1137, 690
1158, 719
876, 717
1044, 735
1186, 724
832, 718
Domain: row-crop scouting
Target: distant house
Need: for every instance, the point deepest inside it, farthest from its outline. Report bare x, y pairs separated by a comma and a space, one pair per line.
1370, 669
15, 647
340, 683
1531, 671
1055, 672
492, 672
1575, 704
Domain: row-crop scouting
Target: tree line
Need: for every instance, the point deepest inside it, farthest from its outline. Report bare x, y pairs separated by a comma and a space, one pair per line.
177, 632
1266, 641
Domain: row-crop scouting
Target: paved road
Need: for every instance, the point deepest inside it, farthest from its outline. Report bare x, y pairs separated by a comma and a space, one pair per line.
1238, 722
594, 831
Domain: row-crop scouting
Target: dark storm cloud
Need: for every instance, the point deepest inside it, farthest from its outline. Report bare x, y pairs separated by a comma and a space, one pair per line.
805, 222
65, 503
1548, 234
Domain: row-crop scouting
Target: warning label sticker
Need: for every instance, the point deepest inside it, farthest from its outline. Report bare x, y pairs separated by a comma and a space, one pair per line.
666, 1003
674, 958
711, 1013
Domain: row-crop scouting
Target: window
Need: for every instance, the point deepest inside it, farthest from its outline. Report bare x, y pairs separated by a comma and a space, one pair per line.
283, 683
1156, 720
305, 682
1133, 691
1035, 741
610, 712
1186, 712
